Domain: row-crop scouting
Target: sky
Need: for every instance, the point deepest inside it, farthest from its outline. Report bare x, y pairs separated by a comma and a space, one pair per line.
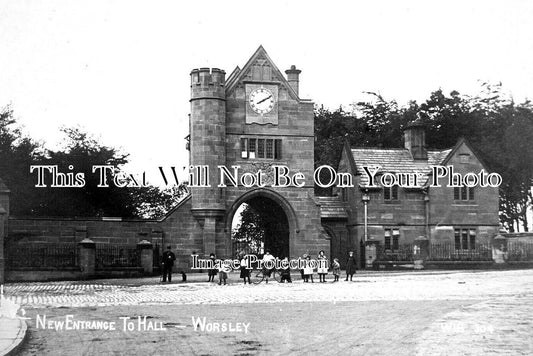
120, 69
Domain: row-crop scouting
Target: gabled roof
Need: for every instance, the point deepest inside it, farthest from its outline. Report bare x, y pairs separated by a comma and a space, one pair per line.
232, 76
464, 141
395, 160
237, 75
332, 207
186, 198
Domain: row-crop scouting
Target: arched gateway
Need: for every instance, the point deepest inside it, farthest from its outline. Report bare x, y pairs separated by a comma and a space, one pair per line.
276, 219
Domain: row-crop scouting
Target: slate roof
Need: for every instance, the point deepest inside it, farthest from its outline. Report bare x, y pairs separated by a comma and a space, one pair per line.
395, 160
332, 207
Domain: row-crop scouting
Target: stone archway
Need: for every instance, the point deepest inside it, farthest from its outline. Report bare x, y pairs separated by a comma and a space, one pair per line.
277, 222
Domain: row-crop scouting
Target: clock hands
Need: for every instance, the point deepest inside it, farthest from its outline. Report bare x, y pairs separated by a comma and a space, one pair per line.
265, 99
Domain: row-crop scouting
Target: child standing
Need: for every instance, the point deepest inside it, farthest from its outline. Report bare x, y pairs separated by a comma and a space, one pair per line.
245, 272
336, 269
322, 266
285, 271
223, 273
308, 270
304, 257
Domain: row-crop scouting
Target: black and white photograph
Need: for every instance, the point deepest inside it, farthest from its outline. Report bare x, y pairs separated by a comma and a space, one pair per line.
266, 177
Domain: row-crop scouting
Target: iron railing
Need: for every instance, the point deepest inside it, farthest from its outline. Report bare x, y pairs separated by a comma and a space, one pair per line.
43, 255
404, 253
519, 251
446, 251
117, 256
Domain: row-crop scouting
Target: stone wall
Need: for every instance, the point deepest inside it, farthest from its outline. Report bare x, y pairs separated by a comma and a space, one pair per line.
63, 230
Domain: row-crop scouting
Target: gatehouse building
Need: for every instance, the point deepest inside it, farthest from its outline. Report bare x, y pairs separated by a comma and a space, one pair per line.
254, 118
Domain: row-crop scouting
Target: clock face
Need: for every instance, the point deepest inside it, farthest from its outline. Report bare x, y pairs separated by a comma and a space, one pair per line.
262, 101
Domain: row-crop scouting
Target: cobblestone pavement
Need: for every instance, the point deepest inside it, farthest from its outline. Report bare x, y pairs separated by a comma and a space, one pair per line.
445, 286
457, 313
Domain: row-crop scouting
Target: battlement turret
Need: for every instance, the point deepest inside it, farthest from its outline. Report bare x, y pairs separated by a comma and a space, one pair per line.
207, 82
208, 136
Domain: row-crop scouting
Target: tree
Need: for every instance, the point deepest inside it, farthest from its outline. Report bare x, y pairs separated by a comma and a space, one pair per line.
153, 202
17, 153
80, 151
250, 232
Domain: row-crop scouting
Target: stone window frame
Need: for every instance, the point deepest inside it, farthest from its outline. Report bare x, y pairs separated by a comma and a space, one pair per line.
464, 194
464, 238
391, 239
262, 148
391, 194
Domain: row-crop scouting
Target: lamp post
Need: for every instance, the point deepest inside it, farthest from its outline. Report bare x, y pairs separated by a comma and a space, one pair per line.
366, 198
426, 205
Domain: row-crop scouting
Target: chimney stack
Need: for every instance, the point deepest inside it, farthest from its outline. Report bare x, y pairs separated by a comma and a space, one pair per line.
415, 140
293, 77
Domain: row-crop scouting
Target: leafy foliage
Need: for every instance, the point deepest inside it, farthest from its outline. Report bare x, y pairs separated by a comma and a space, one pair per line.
80, 151
250, 231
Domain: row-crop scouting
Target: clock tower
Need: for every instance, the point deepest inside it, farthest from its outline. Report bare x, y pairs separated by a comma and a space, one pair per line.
255, 120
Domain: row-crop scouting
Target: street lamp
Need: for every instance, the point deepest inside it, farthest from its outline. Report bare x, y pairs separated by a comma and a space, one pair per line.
366, 198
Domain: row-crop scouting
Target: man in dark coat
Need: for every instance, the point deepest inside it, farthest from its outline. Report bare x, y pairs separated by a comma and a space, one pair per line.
351, 266
168, 262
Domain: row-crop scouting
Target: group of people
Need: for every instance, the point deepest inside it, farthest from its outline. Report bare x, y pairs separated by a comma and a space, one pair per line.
223, 270
307, 272
322, 269
285, 273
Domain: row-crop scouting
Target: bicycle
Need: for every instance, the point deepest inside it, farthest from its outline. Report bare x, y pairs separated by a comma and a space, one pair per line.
259, 276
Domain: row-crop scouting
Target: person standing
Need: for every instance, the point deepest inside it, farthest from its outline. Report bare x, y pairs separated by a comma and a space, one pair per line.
351, 266
168, 262
336, 269
223, 271
308, 269
212, 272
285, 271
245, 272
268, 265
322, 268
304, 260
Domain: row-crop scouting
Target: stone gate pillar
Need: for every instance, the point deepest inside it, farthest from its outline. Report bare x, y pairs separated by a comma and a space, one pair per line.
371, 252
147, 256
499, 249
87, 249
420, 251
